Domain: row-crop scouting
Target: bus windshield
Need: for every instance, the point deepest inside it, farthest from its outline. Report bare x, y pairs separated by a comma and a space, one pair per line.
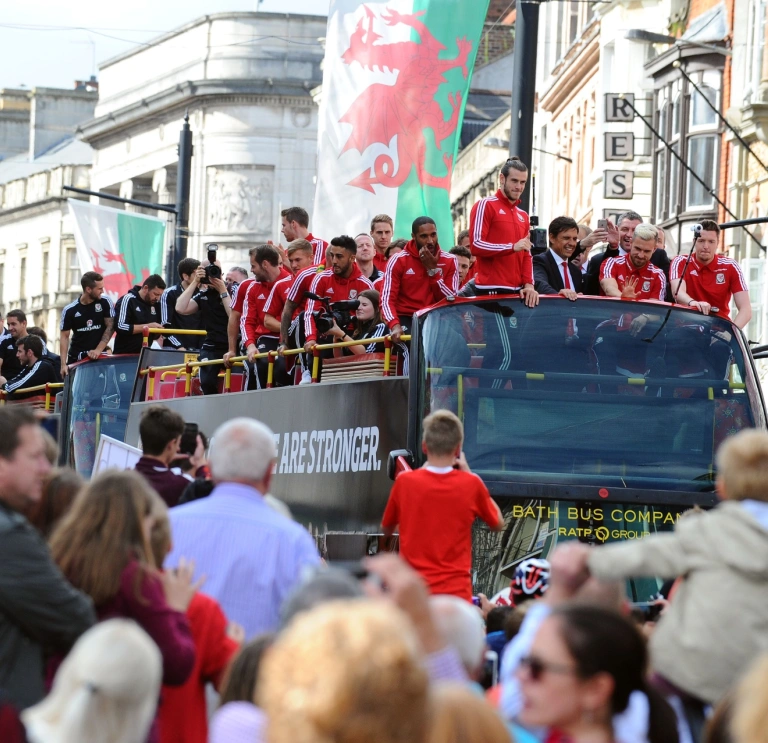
99, 397
594, 392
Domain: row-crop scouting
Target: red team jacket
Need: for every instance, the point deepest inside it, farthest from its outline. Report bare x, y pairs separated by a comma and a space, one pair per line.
495, 225
652, 283
253, 308
714, 283
327, 284
320, 247
408, 288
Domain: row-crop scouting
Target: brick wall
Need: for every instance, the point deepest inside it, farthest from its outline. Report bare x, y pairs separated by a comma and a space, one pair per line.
498, 33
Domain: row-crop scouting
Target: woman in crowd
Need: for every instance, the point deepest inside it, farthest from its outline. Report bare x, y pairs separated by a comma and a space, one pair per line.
106, 689
102, 547
61, 487
367, 324
584, 664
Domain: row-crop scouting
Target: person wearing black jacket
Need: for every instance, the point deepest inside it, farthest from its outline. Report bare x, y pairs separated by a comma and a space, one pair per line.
136, 310
36, 369
366, 324
39, 609
214, 303
552, 271
172, 319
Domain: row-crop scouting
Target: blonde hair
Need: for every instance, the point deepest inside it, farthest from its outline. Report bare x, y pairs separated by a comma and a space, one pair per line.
346, 672
443, 433
160, 535
750, 711
461, 716
742, 465
105, 690
645, 231
299, 245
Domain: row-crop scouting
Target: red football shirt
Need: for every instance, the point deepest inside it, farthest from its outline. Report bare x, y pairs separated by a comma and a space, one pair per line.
715, 283
253, 308
380, 261
435, 512
182, 713
652, 283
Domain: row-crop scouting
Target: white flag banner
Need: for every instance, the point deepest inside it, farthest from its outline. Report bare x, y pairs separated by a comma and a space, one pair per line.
395, 80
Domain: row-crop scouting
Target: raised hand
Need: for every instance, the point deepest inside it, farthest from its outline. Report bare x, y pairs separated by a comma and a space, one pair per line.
630, 288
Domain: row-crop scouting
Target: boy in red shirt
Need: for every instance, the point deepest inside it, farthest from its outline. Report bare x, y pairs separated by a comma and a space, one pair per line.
435, 507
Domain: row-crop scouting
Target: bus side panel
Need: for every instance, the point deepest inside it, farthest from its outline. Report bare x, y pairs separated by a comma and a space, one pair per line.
332, 443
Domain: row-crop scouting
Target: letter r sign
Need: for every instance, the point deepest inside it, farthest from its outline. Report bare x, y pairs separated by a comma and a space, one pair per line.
619, 109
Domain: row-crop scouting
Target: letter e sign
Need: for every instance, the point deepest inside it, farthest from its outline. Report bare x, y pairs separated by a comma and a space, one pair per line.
619, 146
619, 184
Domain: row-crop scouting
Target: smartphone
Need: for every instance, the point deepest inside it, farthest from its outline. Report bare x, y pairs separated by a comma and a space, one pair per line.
188, 443
492, 666
602, 224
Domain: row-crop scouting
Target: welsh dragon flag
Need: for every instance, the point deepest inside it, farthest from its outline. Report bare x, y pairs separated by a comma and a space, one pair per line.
395, 82
123, 247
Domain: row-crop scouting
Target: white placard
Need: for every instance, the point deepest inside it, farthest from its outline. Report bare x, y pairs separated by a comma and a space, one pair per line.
114, 454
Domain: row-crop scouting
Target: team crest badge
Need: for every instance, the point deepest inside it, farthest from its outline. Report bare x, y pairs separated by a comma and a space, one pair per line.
720, 278
353, 293
153, 310
647, 286
98, 308
89, 323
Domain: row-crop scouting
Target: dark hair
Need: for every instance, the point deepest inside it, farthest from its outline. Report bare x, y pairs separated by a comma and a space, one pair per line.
602, 641
296, 214
153, 281
346, 242
18, 314
89, 279
462, 251
12, 419
39, 332
561, 224
420, 222
497, 618
159, 425
709, 225
265, 253
186, 267
463, 234
239, 684
362, 327
513, 163
240, 269
60, 489
31, 343
634, 216
382, 218
394, 245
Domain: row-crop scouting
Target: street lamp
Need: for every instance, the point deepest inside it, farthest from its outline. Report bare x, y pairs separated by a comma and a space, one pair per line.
648, 37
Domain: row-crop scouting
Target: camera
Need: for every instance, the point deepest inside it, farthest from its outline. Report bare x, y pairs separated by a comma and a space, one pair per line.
538, 237
212, 271
340, 311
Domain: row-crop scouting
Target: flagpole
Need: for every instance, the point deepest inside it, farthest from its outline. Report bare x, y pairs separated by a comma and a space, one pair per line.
524, 86
183, 180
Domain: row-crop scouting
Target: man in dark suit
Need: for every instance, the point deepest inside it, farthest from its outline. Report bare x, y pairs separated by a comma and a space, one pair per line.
552, 271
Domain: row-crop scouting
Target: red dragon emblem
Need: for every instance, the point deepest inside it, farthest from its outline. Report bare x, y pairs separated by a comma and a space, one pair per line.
403, 110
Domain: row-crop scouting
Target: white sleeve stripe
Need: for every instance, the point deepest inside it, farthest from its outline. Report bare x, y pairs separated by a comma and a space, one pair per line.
311, 304
164, 306
387, 288
478, 237
121, 322
10, 387
64, 313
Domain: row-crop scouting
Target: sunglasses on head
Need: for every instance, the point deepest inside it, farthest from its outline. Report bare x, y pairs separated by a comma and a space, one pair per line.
537, 667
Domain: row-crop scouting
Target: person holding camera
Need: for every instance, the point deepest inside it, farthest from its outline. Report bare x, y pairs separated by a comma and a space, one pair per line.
207, 293
342, 281
367, 324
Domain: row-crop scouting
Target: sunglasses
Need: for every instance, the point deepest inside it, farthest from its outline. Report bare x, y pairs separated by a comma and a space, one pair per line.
537, 668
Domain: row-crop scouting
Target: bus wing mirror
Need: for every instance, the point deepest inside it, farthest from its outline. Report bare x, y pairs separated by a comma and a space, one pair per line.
399, 460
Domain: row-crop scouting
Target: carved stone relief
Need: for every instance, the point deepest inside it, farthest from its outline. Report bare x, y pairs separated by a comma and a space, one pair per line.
239, 199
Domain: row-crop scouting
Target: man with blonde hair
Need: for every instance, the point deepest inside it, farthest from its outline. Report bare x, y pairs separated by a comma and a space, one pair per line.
435, 507
252, 556
382, 229
717, 622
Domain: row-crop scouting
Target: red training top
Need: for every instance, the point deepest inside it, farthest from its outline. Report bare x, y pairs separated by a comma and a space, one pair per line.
435, 512
652, 283
239, 299
253, 308
183, 715
495, 225
320, 247
327, 284
408, 287
380, 261
714, 283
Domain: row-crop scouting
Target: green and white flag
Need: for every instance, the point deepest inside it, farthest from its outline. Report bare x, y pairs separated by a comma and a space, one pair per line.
395, 83
124, 248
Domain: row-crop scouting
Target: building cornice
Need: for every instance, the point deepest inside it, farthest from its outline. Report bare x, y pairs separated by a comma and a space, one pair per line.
194, 94
35, 209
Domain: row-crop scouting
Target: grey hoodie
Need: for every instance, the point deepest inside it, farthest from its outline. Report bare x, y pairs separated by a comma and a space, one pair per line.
717, 623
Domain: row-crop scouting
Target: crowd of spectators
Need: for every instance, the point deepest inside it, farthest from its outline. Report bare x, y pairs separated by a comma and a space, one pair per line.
121, 619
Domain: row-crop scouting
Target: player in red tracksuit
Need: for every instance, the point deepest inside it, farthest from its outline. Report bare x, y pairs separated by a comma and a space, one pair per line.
417, 277
499, 233
295, 226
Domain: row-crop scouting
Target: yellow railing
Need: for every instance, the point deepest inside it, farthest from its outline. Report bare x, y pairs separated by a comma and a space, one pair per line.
166, 331
37, 388
188, 369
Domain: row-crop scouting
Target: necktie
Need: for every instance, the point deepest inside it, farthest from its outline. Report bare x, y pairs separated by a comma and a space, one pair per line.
566, 277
